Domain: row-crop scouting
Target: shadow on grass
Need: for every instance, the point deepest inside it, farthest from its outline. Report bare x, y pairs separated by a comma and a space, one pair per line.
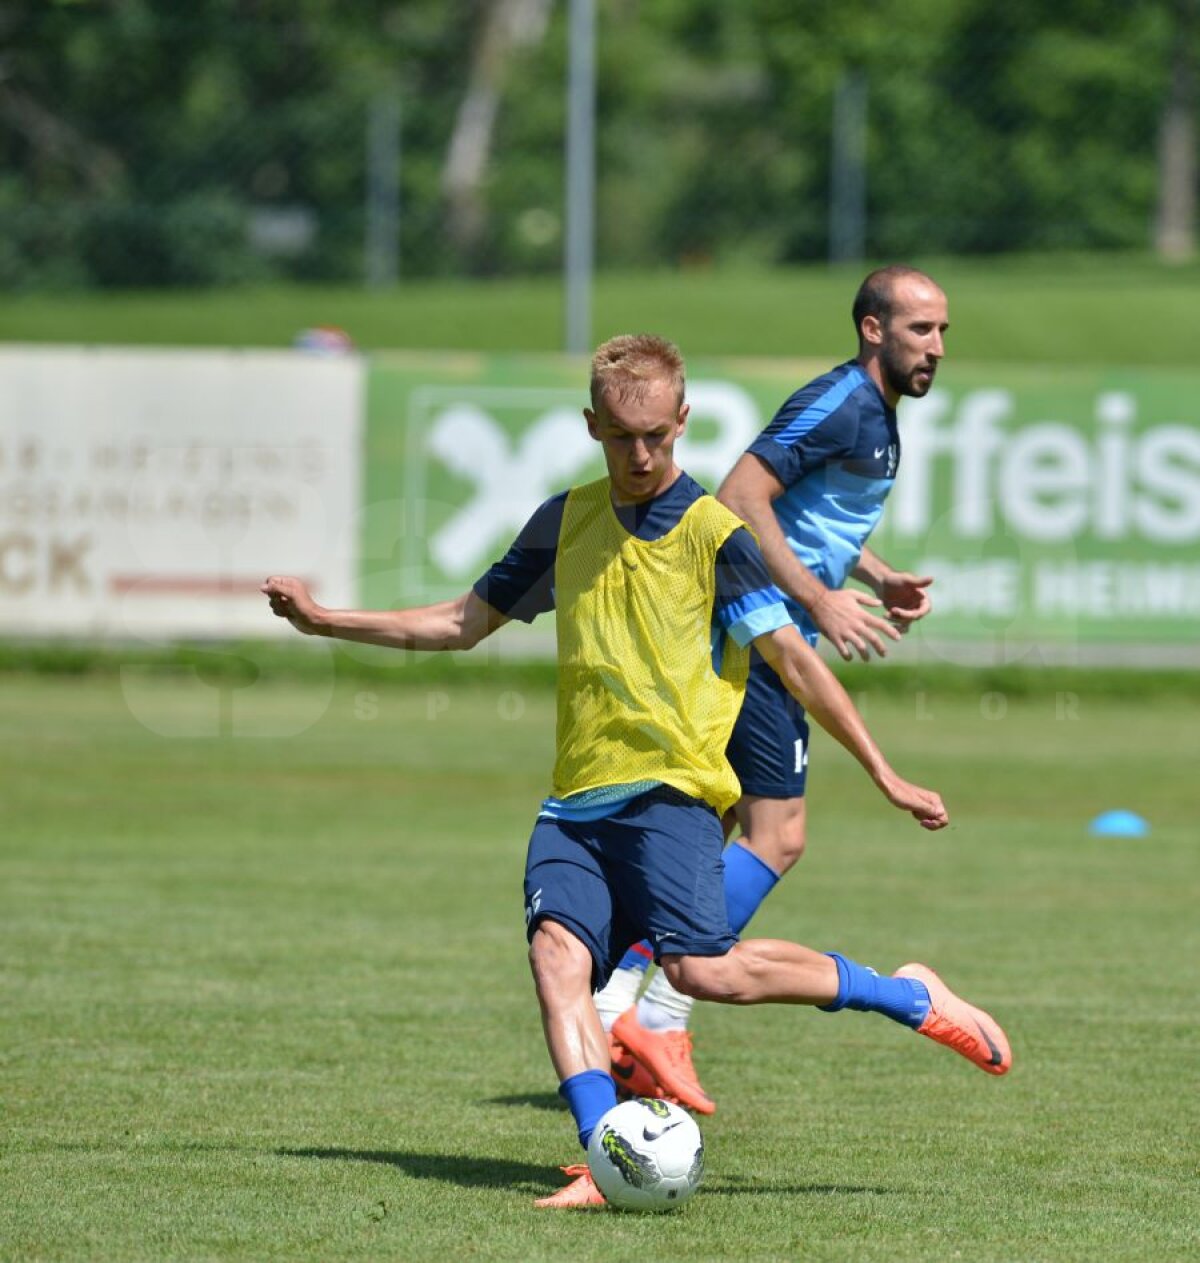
493, 1173
449, 1168
536, 1100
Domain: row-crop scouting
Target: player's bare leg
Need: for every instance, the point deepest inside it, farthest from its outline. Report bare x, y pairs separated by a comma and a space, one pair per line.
562, 975
773, 971
775, 829
578, 1046
757, 971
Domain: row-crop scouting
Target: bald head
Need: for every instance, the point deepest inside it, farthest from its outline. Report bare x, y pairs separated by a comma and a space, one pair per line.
884, 290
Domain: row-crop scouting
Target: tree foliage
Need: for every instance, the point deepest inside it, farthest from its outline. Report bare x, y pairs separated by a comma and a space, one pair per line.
148, 142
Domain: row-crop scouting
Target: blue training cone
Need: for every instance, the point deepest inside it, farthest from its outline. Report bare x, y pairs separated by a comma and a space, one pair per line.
1118, 824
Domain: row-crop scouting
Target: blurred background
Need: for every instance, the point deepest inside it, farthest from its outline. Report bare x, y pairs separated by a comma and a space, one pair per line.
308, 287
154, 144
517, 179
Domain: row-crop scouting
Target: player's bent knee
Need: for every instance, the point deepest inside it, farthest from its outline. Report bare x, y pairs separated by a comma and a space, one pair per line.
710, 978
558, 957
781, 847
791, 850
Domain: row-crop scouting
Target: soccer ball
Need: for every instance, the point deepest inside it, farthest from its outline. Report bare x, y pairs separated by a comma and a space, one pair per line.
646, 1155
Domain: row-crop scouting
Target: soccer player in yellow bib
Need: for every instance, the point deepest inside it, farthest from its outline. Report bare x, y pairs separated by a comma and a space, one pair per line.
658, 592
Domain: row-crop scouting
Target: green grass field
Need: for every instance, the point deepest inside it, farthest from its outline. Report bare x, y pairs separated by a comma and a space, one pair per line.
1111, 310
264, 997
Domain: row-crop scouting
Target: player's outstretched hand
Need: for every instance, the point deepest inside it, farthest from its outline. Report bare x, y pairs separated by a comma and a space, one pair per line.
843, 616
906, 597
290, 599
924, 805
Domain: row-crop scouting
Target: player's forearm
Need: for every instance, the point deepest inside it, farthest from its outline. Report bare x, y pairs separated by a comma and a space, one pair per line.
428, 627
871, 569
793, 576
817, 689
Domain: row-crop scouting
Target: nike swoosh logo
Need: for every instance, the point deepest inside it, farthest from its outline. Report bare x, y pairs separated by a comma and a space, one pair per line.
879, 451
623, 1069
651, 1136
997, 1055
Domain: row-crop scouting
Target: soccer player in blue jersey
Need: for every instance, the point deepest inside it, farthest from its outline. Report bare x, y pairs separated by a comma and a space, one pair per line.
658, 592
812, 486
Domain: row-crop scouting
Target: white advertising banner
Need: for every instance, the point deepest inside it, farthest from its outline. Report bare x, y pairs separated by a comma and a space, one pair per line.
146, 494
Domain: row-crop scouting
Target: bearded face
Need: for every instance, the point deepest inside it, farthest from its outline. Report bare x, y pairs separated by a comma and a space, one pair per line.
903, 375
909, 345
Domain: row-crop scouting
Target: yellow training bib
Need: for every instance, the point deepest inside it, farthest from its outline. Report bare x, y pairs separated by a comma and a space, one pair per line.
638, 699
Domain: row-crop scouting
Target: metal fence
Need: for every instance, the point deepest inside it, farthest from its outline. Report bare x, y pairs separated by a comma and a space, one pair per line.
147, 142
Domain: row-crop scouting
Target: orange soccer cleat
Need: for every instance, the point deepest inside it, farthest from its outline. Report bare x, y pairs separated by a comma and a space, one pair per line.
667, 1055
630, 1076
959, 1025
579, 1194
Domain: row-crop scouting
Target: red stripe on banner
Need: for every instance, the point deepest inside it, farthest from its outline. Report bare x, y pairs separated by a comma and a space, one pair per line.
185, 585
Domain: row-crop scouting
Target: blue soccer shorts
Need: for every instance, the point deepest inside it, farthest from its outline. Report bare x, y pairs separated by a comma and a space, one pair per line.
652, 870
768, 748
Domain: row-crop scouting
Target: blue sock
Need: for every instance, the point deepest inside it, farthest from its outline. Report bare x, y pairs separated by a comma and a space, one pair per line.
748, 881
590, 1095
902, 999
639, 956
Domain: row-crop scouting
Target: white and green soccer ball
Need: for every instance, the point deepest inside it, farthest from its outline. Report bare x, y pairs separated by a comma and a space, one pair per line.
646, 1155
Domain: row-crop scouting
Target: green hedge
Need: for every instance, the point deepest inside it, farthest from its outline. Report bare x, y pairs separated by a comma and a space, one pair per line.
249, 661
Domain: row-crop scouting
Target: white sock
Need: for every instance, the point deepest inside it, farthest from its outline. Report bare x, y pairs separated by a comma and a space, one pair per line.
618, 994
662, 1008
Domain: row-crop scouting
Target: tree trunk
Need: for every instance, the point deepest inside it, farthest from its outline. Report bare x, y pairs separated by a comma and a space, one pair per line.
1175, 230
507, 26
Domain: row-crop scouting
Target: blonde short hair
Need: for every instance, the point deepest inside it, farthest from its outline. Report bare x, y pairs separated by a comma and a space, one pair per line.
630, 362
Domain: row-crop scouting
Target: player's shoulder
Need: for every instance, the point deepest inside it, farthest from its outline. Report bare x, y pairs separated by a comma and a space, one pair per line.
691, 500
542, 528
834, 400
741, 545
842, 388
691, 507
553, 503
551, 510
711, 523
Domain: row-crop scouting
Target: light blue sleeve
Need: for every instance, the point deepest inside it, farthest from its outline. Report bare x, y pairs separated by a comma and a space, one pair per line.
755, 614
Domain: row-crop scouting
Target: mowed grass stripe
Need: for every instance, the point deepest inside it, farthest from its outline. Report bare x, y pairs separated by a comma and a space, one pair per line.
1109, 310
266, 998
